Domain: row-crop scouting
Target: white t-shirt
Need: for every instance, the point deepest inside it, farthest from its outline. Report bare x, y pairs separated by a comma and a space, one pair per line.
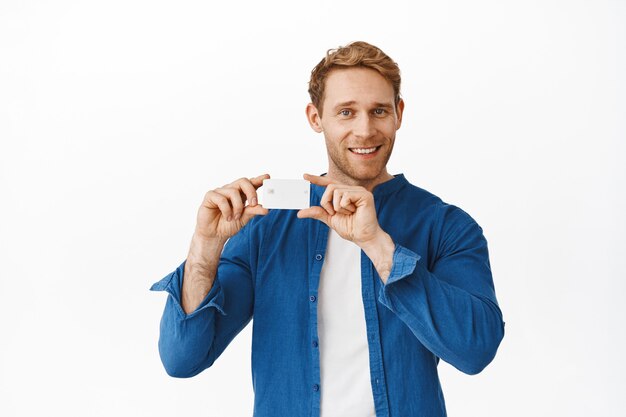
346, 389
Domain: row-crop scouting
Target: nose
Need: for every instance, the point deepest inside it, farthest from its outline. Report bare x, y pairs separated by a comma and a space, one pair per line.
364, 126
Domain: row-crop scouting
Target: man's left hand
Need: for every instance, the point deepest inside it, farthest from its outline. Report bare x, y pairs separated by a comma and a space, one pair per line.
350, 211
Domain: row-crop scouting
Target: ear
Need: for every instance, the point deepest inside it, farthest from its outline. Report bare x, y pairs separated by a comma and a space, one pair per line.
314, 118
399, 110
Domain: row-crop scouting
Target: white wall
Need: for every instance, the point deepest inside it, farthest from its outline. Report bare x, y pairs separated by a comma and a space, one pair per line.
117, 116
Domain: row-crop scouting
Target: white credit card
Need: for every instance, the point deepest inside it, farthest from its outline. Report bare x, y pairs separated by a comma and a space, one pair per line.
285, 194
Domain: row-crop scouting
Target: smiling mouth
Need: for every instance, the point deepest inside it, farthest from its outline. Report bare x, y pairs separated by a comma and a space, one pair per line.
365, 151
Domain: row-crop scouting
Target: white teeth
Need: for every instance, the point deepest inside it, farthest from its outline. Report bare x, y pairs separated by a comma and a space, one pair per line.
363, 150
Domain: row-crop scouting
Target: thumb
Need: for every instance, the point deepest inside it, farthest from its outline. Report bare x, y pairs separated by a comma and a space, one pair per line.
251, 211
315, 212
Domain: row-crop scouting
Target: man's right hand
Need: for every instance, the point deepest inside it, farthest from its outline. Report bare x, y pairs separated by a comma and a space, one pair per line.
222, 214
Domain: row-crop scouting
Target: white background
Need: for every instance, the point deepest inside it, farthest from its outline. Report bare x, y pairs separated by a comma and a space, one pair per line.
116, 117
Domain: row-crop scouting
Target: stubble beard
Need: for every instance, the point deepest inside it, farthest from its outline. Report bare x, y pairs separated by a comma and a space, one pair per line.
350, 175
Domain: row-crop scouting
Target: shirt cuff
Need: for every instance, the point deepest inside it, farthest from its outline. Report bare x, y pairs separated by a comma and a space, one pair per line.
172, 284
404, 263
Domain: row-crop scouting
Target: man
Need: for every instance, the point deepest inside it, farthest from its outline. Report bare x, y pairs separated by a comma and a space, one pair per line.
354, 299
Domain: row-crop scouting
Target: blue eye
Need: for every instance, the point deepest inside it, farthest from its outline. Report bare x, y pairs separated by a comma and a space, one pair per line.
379, 111
345, 112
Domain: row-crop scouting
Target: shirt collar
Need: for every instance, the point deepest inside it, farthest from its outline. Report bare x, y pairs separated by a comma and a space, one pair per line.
384, 188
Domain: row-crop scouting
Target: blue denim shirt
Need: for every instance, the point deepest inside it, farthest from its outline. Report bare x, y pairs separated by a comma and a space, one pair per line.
439, 302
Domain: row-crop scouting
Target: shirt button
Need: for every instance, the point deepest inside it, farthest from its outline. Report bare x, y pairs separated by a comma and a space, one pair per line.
315, 343
318, 257
312, 298
316, 387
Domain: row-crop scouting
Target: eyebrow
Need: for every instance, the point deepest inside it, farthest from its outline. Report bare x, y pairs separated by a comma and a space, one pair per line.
352, 102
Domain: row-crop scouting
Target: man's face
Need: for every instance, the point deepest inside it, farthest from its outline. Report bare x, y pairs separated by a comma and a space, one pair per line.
359, 123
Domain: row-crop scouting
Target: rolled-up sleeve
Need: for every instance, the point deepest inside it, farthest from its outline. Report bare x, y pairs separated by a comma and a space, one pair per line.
190, 343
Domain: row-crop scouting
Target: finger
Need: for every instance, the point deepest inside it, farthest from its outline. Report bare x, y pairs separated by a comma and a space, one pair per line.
318, 180
346, 203
248, 191
327, 197
251, 211
314, 212
258, 181
213, 199
344, 211
234, 197
337, 196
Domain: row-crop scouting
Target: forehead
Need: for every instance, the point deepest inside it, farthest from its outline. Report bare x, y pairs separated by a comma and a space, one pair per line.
362, 85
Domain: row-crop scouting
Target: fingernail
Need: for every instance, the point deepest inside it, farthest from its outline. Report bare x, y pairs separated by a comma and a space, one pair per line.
254, 201
229, 218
